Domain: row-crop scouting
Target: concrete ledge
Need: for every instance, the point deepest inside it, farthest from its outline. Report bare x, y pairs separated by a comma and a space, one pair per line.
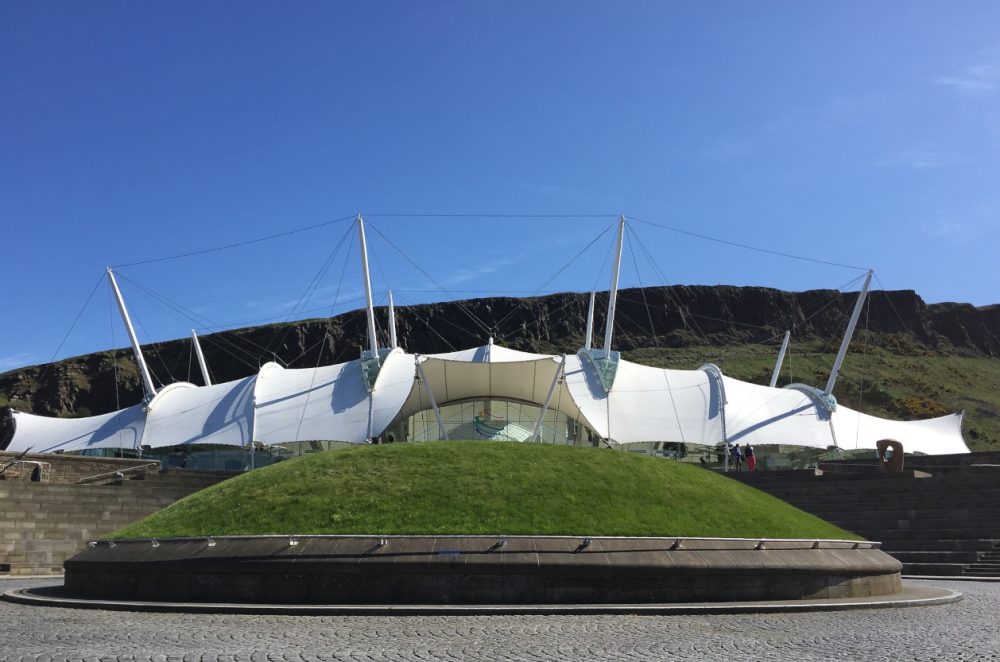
910, 596
471, 570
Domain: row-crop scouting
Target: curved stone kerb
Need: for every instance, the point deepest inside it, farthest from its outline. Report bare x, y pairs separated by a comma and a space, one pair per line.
478, 569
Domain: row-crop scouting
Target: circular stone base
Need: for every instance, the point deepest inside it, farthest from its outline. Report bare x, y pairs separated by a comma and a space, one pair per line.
476, 570
911, 596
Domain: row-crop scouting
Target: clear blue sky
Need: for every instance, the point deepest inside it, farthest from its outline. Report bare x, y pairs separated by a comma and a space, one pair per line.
859, 133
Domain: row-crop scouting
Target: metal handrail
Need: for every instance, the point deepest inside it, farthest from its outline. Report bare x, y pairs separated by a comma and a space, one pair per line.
118, 473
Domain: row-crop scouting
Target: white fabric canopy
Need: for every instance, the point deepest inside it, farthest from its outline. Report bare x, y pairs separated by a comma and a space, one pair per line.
183, 413
43, 434
489, 371
934, 436
647, 404
764, 415
332, 403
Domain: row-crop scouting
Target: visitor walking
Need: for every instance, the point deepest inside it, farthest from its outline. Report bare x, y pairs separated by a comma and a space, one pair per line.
736, 456
751, 460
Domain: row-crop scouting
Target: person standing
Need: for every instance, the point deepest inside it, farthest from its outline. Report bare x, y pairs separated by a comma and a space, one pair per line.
737, 457
751, 460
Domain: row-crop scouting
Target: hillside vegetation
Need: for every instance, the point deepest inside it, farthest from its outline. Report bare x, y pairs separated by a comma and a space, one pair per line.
482, 488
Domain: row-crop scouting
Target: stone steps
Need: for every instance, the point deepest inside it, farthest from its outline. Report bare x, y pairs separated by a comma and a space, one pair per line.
917, 524
985, 512
944, 569
935, 557
971, 545
940, 524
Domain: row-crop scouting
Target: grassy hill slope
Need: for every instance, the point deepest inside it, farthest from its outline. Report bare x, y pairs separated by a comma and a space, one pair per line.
481, 488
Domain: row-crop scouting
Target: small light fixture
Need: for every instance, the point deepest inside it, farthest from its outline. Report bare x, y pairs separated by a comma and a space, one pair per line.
584, 544
677, 545
112, 543
292, 541
211, 542
155, 543
760, 545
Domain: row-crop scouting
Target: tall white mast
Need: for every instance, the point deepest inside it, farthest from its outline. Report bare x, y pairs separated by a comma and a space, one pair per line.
589, 339
372, 340
201, 359
613, 290
147, 380
845, 343
392, 323
781, 358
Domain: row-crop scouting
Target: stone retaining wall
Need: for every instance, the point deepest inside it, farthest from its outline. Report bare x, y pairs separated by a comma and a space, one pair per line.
477, 570
43, 524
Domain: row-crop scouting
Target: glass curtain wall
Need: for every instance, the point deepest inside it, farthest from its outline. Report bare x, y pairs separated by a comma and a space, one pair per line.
498, 420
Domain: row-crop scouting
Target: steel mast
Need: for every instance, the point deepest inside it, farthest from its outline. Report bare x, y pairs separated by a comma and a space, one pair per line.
589, 338
372, 340
392, 324
147, 380
613, 290
781, 359
845, 343
201, 358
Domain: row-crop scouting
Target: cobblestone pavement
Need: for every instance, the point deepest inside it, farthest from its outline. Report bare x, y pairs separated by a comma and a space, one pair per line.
963, 631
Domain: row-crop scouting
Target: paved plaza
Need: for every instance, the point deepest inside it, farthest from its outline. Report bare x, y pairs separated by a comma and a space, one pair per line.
966, 630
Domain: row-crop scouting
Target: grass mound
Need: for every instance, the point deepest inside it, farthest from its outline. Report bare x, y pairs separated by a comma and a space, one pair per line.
481, 488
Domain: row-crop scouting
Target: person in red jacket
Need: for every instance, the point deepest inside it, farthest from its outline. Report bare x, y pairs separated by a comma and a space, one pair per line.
751, 460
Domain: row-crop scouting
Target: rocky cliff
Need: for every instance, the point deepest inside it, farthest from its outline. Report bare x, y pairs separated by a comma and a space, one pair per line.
697, 318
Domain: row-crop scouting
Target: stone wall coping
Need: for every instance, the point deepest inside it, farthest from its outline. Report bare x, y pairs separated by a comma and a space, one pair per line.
678, 542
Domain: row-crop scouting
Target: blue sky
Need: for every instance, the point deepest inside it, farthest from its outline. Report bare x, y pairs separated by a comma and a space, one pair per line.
864, 134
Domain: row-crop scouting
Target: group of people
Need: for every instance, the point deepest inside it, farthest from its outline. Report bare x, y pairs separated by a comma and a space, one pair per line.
736, 456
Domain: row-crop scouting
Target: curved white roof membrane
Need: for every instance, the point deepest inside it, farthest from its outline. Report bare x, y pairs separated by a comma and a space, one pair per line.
186, 414
43, 434
764, 415
647, 404
330, 402
483, 372
488, 354
933, 436
333, 403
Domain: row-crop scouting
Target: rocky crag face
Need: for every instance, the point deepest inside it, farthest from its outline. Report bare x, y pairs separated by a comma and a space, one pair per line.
657, 325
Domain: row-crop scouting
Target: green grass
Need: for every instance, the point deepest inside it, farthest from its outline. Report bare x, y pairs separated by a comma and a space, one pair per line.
481, 488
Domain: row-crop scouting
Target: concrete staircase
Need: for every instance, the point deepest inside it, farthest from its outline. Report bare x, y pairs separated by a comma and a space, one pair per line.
988, 565
942, 524
43, 524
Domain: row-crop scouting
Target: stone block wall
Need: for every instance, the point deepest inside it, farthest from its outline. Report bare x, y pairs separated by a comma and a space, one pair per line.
43, 524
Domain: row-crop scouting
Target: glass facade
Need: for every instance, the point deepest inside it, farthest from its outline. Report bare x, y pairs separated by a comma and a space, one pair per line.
491, 419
